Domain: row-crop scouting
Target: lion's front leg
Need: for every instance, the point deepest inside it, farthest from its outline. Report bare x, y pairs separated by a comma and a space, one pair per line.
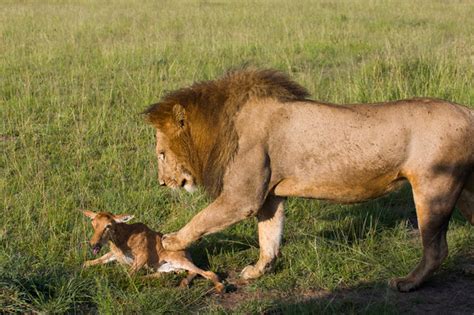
217, 216
213, 218
245, 190
270, 230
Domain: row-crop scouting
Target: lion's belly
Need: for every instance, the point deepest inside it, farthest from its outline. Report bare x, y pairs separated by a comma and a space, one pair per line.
336, 155
338, 191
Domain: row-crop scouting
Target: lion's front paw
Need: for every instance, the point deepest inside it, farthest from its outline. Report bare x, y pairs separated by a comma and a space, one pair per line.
251, 272
403, 284
172, 242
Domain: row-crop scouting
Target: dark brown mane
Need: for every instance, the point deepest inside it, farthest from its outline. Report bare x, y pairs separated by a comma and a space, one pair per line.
210, 107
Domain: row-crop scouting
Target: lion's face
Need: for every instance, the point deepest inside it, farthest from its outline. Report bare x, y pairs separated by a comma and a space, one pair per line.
171, 172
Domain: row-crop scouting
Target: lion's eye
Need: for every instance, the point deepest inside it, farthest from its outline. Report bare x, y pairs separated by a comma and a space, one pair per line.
161, 156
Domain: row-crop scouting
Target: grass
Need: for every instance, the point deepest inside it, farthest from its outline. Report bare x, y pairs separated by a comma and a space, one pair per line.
74, 76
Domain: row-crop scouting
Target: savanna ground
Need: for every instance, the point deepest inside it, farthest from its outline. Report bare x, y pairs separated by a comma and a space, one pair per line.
76, 74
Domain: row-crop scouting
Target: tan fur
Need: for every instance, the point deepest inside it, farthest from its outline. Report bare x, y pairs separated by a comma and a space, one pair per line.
139, 246
272, 143
207, 141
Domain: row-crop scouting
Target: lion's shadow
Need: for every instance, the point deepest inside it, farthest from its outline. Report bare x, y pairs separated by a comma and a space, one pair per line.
354, 222
223, 243
447, 292
387, 212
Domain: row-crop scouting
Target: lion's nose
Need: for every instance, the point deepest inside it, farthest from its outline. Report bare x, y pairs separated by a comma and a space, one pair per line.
162, 182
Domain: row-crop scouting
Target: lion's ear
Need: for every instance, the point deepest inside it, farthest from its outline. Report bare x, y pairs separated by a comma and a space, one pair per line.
179, 114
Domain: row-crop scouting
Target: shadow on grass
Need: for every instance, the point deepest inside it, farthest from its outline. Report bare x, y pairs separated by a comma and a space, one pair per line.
354, 222
448, 291
218, 245
50, 288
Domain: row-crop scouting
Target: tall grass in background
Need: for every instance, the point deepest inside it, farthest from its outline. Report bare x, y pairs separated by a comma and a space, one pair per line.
75, 75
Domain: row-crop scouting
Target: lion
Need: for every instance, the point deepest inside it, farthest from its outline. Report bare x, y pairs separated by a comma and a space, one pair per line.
253, 137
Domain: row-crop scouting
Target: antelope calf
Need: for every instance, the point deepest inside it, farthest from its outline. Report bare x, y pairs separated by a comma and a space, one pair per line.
139, 246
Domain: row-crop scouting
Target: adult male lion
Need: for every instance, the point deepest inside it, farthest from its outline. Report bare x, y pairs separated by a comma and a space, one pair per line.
252, 138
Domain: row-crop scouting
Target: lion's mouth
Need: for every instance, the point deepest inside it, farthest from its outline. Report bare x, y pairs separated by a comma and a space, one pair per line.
187, 182
190, 188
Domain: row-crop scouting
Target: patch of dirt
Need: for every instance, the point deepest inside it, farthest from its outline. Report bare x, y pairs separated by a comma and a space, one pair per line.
445, 293
442, 294
453, 294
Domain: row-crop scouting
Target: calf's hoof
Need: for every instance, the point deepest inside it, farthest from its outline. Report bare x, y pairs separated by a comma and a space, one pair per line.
219, 287
86, 264
184, 284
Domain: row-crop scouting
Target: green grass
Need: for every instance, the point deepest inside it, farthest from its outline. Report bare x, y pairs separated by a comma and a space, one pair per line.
74, 76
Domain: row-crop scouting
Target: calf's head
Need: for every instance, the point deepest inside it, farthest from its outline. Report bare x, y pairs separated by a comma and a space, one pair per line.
104, 225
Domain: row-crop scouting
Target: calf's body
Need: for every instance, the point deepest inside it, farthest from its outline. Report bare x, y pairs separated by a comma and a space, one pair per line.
139, 246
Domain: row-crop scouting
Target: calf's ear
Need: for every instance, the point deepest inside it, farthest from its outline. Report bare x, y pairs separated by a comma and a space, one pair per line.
122, 218
89, 214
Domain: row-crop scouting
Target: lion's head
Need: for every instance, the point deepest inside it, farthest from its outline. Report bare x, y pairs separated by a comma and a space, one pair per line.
195, 134
173, 171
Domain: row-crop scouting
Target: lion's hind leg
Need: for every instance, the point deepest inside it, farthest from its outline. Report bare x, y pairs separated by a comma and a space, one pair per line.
435, 197
466, 200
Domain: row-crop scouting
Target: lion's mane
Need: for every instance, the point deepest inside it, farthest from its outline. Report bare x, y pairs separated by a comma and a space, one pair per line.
210, 106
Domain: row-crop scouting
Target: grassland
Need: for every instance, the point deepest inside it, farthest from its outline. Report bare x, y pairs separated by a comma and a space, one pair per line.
74, 76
